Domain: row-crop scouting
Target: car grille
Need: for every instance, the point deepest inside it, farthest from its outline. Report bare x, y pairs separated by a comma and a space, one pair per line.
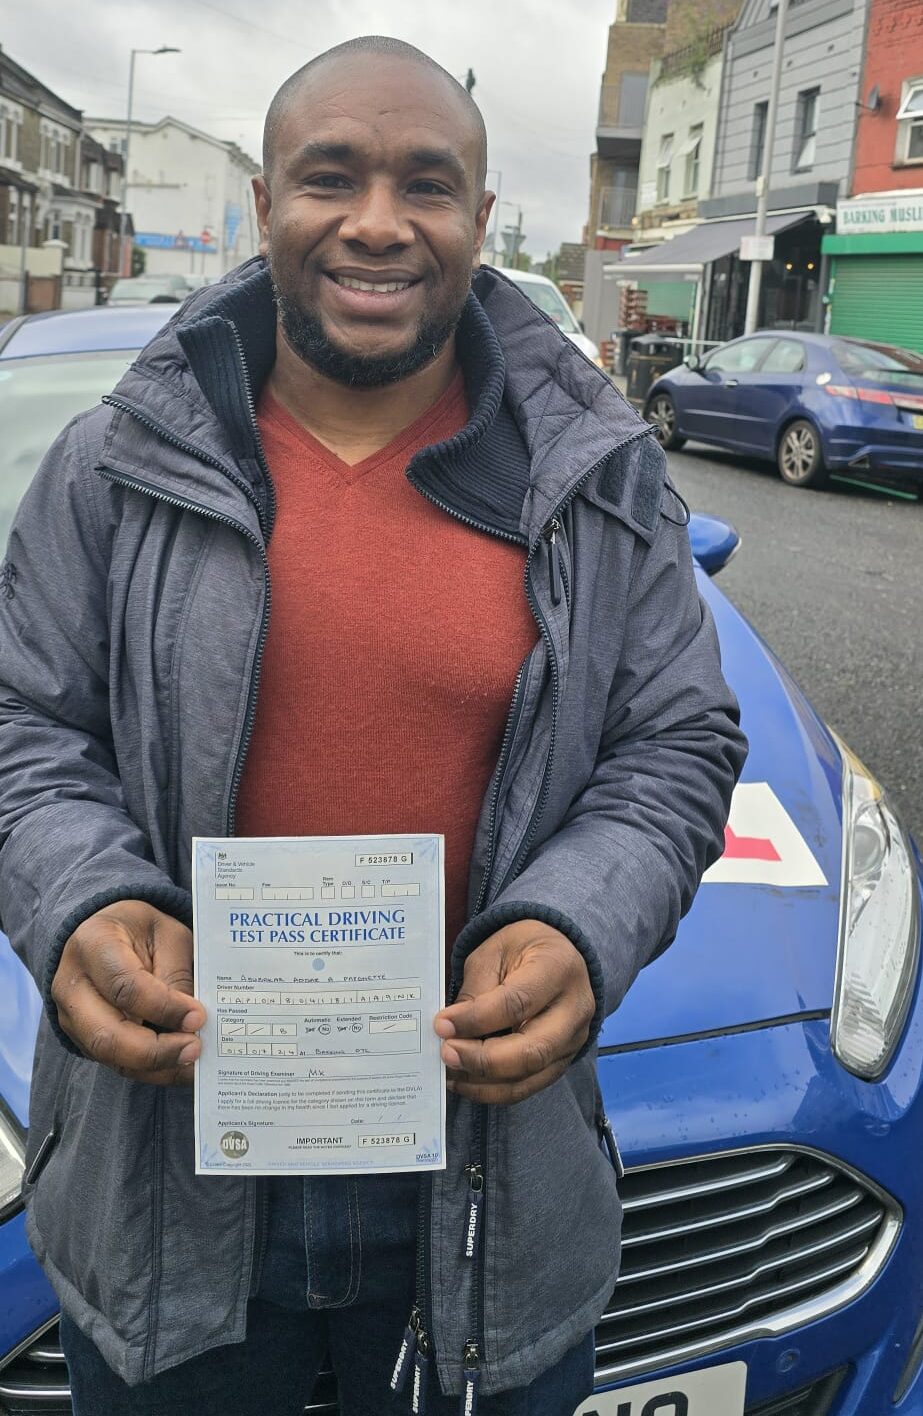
715, 1251
721, 1250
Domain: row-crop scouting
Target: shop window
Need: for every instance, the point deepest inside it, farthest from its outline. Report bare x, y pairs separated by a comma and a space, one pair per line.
910, 123
664, 163
806, 130
758, 140
691, 150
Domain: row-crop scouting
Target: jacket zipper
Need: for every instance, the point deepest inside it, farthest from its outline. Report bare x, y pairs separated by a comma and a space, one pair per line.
200, 455
474, 1347
550, 532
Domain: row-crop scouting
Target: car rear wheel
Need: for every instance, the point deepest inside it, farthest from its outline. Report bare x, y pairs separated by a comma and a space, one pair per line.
800, 459
661, 413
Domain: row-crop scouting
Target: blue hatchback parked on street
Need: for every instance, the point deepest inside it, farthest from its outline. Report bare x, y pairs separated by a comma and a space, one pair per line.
764, 1075
813, 404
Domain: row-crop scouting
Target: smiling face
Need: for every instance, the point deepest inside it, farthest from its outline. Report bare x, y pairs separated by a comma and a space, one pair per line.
372, 215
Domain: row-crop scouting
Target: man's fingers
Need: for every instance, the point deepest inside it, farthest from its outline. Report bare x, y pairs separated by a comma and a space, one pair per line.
104, 1034
121, 979
558, 1033
526, 991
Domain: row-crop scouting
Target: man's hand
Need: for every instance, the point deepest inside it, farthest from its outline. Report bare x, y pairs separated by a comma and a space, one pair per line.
529, 984
126, 966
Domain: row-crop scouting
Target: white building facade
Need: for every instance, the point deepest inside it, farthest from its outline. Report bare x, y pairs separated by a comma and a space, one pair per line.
189, 196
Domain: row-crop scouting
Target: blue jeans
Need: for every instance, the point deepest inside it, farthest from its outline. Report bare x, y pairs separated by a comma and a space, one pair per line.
337, 1279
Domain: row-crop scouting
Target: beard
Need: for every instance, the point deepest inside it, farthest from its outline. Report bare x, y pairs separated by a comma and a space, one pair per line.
306, 336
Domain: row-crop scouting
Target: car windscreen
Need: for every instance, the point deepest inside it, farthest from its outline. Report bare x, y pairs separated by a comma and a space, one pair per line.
880, 363
142, 290
38, 397
551, 302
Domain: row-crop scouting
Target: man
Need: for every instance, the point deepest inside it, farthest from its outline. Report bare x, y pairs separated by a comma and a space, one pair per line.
451, 504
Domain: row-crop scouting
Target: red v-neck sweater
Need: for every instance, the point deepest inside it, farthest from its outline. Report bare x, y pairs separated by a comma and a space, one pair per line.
395, 636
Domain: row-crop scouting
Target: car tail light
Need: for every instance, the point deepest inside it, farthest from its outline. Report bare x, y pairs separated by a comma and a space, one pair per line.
863, 395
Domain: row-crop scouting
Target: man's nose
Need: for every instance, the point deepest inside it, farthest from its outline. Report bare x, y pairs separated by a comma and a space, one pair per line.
376, 218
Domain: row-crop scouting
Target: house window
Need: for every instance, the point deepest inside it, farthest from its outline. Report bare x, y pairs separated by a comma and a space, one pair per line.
55, 151
12, 219
53, 226
10, 121
664, 161
806, 130
632, 97
758, 140
910, 123
691, 150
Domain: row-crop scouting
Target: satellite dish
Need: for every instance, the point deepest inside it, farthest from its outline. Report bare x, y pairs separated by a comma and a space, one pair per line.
873, 102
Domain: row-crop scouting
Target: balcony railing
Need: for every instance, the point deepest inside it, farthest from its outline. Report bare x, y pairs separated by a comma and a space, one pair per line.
616, 207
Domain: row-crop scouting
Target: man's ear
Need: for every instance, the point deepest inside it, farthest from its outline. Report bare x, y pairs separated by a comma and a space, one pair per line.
263, 204
480, 225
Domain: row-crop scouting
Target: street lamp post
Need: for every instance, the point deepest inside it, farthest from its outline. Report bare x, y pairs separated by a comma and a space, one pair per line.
123, 221
499, 176
517, 230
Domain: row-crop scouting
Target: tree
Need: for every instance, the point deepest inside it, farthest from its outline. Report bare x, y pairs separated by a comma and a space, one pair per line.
138, 260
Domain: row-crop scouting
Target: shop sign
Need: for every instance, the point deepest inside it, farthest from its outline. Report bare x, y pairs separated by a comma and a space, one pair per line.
903, 212
757, 248
178, 241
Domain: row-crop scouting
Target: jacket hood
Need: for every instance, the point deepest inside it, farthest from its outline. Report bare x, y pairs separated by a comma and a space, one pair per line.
542, 415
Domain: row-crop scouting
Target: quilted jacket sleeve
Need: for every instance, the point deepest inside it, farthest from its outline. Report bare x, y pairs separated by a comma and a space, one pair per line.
67, 844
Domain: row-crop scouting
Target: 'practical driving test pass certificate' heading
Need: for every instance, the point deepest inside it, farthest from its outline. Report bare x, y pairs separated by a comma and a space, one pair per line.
320, 961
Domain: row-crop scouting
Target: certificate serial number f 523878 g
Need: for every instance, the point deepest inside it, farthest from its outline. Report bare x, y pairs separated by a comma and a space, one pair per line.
401, 858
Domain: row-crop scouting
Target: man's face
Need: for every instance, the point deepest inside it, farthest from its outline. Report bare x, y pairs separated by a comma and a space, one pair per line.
372, 217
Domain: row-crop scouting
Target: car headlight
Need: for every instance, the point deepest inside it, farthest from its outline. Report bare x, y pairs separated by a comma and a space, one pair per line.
12, 1163
879, 935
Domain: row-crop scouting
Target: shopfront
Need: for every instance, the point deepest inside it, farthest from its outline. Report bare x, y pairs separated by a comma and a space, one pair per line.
875, 289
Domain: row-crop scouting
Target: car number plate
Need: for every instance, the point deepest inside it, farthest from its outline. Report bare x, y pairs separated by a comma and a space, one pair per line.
918, 420
715, 1391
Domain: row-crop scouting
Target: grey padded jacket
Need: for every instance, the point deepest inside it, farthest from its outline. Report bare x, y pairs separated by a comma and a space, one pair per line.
129, 669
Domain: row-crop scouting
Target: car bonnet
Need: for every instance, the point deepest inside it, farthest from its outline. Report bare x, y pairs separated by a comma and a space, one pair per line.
760, 940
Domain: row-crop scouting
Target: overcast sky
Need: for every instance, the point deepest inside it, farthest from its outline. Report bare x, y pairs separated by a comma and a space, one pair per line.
538, 65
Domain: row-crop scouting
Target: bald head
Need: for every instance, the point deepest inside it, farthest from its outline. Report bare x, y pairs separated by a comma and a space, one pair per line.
384, 47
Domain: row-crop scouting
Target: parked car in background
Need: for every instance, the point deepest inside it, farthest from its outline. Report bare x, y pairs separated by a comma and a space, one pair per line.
546, 295
149, 289
764, 1076
815, 404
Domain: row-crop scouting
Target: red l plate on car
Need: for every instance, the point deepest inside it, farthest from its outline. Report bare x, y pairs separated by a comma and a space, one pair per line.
714, 1391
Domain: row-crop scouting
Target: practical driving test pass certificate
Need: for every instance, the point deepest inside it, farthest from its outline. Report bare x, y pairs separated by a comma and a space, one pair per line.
320, 961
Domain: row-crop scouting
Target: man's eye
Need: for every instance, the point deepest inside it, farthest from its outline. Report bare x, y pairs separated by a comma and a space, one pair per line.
332, 180
429, 189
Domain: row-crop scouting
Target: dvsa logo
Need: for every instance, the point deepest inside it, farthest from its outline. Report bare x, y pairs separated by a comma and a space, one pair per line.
234, 1145
670, 1403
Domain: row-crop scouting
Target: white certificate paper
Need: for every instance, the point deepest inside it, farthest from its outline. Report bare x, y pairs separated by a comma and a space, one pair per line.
320, 961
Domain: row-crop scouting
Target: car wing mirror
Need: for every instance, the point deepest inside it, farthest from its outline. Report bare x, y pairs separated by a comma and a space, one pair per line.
713, 541
692, 361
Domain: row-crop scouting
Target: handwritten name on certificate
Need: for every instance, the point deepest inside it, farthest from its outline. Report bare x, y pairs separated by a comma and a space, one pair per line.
320, 961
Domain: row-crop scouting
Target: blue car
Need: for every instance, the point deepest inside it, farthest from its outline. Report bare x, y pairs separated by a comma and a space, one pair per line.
764, 1078
813, 404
